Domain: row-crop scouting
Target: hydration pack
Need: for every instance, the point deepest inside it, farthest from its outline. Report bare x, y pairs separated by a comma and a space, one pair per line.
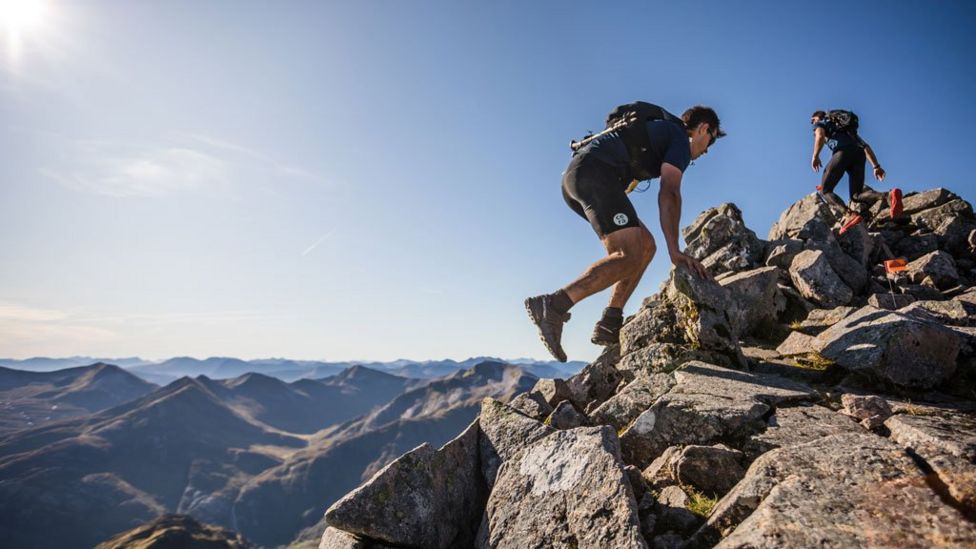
843, 121
630, 122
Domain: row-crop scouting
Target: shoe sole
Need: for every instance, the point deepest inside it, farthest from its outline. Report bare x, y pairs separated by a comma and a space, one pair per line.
536, 318
599, 339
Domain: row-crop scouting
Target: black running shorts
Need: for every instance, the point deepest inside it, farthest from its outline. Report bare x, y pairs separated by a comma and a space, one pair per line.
597, 192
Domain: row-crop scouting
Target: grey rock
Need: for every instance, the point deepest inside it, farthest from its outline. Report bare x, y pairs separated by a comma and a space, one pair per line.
953, 312
704, 315
660, 357
503, 433
923, 292
669, 541
853, 271
797, 425
598, 380
849, 490
422, 499
333, 538
896, 348
566, 490
820, 319
638, 395
710, 469
709, 379
914, 247
754, 295
890, 301
793, 221
916, 202
798, 343
662, 472
931, 218
565, 416
553, 391
738, 255
794, 307
532, 404
719, 238
637, 484
953, 234
948, 444
673, 514
782, 252
870, 410
814, 278
938, 265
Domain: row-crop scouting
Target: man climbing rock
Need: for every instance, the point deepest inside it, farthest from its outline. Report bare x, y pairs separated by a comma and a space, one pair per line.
646, 143
838, 130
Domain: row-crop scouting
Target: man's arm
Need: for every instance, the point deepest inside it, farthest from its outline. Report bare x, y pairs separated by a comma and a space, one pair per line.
819, 139
879, 173
669, 202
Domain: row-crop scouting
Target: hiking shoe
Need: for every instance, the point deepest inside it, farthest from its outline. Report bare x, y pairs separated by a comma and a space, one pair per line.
894, 200
854, 220
550, 323
607, 331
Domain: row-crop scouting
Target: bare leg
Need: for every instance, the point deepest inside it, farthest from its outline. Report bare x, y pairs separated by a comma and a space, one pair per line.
625, 259
623, 289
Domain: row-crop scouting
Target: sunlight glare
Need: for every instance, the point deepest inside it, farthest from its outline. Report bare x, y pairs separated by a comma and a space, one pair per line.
20, 15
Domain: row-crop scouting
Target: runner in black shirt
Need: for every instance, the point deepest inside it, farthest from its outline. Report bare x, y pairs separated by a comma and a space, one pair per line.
595, 187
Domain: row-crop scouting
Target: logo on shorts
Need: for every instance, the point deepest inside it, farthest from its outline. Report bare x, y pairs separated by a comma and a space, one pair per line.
620, 219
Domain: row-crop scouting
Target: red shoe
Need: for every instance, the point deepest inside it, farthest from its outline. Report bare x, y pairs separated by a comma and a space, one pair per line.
894, 199
850, 223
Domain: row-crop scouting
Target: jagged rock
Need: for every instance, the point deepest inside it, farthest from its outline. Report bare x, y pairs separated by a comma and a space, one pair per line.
707, 403
792, 221
659, 357
532, 404
661, 472
916, 202
819, 236
673, 514
849, 490
424, 498
931, 218
795, 307
782, 252
637, 396
890, 301
816, 280
938, 265
565, 416
754, 295
637, 485
710, 469
566, 490
947, 444
553, 391
914, 247
597, 380
820, 319
896, 348
333, 538
503, 433
857, 243
953, 234
796, 425
923, 292
723, 243
870, 410
797, 343
952, 312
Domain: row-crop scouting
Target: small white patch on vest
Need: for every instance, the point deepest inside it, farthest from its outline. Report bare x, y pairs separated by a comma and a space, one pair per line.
620, 219
644, 423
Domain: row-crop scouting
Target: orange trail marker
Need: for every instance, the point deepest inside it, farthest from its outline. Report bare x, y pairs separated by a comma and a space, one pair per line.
893, 266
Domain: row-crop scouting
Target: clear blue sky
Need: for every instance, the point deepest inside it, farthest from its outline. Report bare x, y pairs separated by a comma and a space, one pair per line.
343, 180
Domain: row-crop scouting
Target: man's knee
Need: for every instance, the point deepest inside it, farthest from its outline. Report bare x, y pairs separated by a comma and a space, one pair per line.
648, 247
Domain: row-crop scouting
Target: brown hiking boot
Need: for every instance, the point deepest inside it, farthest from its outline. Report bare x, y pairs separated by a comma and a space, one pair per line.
550, 323
607, 331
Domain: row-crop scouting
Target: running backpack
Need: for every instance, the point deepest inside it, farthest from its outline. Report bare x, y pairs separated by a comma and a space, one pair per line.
843, 121
629, 121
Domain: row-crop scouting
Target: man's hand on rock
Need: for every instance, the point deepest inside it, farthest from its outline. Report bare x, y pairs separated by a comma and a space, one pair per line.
684, 260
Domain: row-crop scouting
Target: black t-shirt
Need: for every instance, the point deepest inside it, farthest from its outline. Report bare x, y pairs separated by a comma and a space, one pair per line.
669, 143
837, 139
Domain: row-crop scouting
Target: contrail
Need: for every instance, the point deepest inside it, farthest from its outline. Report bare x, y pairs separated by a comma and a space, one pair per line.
317, 242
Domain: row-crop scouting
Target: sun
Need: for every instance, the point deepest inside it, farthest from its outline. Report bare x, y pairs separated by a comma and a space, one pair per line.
17, 16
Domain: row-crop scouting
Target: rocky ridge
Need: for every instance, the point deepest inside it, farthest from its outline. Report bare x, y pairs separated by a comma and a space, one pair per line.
804, 397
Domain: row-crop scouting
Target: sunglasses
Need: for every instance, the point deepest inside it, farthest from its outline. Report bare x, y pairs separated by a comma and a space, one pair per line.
711, 138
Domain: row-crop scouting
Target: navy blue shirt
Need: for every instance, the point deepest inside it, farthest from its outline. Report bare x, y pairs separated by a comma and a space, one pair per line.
669, 143
837, 139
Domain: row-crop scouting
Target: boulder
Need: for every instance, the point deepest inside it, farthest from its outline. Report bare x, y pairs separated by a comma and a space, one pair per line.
673, 514
566, 490
916, 202
953, 234
754, 295
930, 219
598, 380
890, 301
848, 490
938, 265
792, 221
820, 319
952, 312
947, 443
661, 472
424, 498
637, 396
816, 280
798, 424
333, 538
795, 307
870, 410
721, 241
504, 432
565, 416
782, 252
914, 247
553, 391
710, 469
532, 404
797, 343
895, 348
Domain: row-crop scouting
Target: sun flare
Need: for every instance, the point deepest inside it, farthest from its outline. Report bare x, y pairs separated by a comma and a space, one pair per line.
17, 16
